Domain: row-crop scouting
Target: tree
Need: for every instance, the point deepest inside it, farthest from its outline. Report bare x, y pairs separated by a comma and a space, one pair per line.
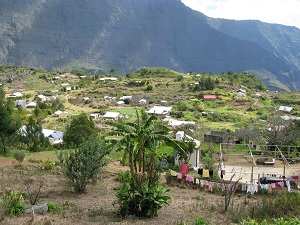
80, 129
140, 140
112, 71
82, 165
32, 136
8, 126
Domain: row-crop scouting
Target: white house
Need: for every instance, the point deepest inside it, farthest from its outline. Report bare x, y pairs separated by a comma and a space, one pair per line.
16, 95
285, 109
94, 115
126, 97
111, 115
55, 137
31, 105
174, 123
108, 79
195, 156
159, 110
42, 98
120, 103
59, 113
142, 101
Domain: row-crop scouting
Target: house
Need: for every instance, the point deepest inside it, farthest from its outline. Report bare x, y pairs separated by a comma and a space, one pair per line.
104, 79
31, 105
241, 92
285, 109
94, 115
126, 97
21, 103
174, 123
59, 113
257, 95
65, 84
142, 101
41, 98
16, 95
209, 97
159, 110
55, 137
119, 103
216, 137
86, 98
195, 156
68, 88
111, 115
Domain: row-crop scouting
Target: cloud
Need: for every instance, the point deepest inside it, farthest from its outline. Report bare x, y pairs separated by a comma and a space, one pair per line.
284, 12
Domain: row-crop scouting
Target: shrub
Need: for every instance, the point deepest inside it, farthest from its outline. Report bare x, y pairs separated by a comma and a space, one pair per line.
33, 188
19, 155
123, 176
142, 202
47, 165
53, 207
12, 203
83, 164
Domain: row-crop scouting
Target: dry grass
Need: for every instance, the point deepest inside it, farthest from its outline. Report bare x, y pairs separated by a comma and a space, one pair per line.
96, 206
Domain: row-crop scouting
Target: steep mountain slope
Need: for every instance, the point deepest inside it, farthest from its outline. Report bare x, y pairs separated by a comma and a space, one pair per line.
281, 41
129, 34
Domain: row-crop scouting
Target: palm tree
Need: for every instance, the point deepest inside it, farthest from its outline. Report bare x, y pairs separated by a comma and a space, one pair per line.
139, 138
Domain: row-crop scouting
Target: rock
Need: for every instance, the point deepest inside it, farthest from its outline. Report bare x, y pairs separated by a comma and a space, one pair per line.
39, 208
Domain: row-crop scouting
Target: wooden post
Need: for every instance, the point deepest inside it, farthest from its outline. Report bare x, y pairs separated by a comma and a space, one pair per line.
284, 169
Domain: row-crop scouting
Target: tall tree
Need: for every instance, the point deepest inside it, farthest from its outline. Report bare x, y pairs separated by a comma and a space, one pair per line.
80, 129
8, 124
32, 135
141, 139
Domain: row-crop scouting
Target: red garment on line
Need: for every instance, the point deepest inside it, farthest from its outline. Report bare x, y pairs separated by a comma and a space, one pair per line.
184, 169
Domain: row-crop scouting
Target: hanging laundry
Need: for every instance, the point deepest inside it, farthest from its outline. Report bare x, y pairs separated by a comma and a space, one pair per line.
184, 169
205, 173
173, 173
288, 184
200, 171
179, 176
244, 187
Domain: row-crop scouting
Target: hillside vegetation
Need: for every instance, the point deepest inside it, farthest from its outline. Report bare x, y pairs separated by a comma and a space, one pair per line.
133, 149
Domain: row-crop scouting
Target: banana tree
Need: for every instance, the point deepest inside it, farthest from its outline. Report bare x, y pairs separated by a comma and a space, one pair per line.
139, 138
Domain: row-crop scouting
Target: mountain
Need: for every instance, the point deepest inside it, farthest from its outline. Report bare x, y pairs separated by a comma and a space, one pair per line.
130, 34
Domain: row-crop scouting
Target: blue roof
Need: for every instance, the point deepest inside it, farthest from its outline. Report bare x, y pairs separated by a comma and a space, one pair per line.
56, 135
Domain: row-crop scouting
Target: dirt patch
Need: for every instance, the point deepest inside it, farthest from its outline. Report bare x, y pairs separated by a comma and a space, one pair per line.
96, 206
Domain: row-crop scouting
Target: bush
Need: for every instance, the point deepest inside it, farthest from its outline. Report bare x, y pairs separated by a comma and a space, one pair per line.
82, 165
19, 155
53, 207
123, 176
12, 203
142, 202
47, 165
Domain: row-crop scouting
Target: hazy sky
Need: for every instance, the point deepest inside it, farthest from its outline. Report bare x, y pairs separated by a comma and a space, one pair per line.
286, 12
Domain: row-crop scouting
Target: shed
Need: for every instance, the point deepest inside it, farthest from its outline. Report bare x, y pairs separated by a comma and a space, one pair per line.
111, 115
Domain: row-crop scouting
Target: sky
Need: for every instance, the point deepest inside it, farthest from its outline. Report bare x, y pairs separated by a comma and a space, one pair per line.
286, 12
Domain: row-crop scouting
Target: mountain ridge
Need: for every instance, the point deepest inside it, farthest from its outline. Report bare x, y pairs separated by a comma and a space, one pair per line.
130, 34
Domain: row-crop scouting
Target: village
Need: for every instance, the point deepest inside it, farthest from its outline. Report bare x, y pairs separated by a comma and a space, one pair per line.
209, 117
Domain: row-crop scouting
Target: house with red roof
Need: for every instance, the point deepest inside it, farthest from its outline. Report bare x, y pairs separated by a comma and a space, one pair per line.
209, 97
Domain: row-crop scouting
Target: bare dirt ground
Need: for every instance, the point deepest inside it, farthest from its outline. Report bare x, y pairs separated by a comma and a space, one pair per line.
96, 205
